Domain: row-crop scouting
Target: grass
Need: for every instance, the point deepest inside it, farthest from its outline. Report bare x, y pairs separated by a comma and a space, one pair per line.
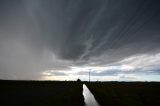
41, 93
126, 93
69, 93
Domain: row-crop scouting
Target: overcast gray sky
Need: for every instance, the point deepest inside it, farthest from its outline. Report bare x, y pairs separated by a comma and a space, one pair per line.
65, 39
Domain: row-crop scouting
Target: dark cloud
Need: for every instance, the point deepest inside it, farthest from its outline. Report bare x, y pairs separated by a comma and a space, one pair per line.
150, 70
57, 34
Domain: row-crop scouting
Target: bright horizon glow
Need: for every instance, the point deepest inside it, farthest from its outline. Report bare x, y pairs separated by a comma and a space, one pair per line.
127, 70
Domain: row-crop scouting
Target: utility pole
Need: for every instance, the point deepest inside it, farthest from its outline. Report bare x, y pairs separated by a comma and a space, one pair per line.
89, 75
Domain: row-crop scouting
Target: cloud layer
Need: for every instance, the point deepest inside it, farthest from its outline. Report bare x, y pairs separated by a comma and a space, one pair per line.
57, 35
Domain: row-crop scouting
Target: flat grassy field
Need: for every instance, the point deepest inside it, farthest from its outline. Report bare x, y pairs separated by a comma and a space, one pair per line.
41, 93
126, 93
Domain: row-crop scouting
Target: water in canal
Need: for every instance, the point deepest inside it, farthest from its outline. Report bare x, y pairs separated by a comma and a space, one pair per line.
88, 97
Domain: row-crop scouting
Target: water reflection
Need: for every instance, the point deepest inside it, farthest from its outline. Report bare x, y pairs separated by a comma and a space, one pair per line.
88, 97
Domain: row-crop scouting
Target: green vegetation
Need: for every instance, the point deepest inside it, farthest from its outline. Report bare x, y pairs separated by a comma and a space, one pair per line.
41, 93
126, 93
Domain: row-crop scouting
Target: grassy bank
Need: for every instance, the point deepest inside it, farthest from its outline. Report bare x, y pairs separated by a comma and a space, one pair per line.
41, 93
126, 93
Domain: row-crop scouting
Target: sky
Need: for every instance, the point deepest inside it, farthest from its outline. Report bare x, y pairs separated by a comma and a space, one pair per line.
114, 40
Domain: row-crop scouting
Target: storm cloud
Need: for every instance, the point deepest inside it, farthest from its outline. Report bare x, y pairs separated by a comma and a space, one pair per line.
58, 35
